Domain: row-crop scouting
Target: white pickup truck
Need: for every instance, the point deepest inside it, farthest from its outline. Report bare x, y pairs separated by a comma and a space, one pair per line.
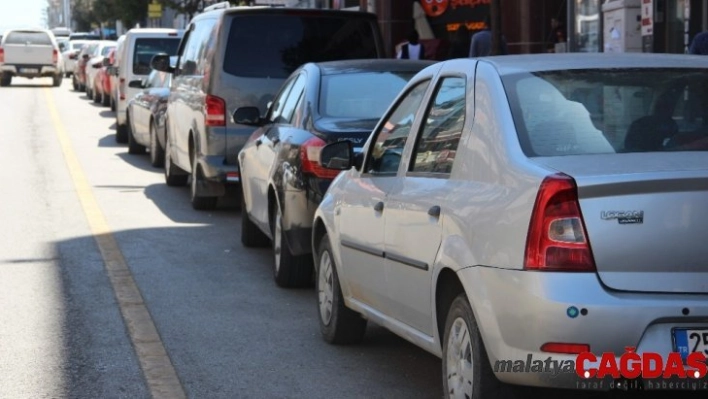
29, 53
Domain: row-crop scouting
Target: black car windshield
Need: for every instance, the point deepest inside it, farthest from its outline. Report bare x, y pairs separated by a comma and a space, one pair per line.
273, 46
146, 48
360, 95
575, 112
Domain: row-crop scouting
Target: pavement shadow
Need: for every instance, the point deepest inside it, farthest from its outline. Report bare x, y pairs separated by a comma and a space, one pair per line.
140, 161
109, 141
107, 113
174, 202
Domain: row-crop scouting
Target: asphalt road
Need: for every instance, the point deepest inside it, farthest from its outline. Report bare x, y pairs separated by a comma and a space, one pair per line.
228, 330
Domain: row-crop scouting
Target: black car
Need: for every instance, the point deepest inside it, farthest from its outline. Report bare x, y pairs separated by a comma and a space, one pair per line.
145, 116
282, 180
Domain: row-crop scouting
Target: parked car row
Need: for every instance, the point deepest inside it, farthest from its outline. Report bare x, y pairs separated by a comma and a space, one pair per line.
487, 210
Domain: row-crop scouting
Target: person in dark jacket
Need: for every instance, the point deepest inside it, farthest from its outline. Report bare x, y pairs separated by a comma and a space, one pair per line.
699, 45
413, 50
481, 45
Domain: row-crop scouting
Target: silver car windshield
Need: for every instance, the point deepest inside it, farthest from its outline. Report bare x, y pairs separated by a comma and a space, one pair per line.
575, 112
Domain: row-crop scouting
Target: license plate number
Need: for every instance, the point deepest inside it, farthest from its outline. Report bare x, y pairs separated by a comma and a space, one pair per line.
689, 340
29, 70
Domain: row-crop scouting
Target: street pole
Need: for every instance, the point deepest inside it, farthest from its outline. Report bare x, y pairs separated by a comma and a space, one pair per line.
495, 14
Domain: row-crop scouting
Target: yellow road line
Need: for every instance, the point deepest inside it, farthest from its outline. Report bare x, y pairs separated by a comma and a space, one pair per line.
157, 367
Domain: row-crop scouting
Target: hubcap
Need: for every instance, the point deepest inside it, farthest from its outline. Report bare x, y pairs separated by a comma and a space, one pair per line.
459, 361
277, 239
325, 287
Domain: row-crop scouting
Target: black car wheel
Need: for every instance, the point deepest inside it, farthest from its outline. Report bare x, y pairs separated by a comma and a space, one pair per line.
288, 270
133, 146
174, 176
199, 203
157, 153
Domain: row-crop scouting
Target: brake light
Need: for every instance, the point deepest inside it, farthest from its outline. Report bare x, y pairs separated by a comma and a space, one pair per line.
121, 88
310, 159
2, 55
565, 348
557, 238
55, 57
215, 111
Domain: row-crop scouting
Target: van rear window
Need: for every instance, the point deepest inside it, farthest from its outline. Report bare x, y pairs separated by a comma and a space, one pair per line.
146, 48
273, 46
24, 37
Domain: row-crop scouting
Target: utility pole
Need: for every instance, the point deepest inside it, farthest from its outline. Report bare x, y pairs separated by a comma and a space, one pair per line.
495, 14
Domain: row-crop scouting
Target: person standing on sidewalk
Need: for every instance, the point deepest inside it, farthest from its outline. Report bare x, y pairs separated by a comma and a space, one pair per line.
699, 45
414, 49
481, 45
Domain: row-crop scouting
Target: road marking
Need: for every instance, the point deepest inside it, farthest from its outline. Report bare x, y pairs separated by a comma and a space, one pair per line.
157, 367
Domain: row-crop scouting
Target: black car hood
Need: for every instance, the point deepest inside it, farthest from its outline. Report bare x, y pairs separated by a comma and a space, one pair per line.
339, 129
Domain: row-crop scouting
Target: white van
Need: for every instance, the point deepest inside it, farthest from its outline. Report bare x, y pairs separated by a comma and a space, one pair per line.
132, 60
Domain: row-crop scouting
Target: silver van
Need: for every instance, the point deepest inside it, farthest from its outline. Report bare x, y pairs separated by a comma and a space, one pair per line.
236, 57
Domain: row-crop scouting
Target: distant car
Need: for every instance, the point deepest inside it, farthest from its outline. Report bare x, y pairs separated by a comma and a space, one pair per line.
29, 53
133, 57
525, 207
94, 64
102, 81
79, 76
84, 36
281, 177
146, 116
71, 54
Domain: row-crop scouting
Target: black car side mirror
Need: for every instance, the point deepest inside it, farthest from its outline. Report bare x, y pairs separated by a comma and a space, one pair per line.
161, 62
136, 84
248, 116
338, 156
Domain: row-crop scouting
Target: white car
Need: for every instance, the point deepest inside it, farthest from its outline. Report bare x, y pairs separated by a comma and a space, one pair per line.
70, 55
29, 53
521, 209
95, 63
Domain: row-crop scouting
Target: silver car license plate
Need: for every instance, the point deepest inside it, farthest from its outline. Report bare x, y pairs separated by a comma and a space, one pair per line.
29, 70
689, 340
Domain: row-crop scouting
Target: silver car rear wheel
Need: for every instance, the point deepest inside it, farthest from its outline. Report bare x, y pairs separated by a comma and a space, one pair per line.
460, 367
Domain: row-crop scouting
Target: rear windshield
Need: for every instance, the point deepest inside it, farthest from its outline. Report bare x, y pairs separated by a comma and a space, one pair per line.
579, 112
360, 95
274, 46
146, 48
23, 37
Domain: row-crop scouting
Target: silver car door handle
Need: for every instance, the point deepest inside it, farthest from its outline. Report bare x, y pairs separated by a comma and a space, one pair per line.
434, 211
379, 206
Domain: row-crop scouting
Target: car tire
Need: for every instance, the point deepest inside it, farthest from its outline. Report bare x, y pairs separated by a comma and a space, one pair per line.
174, 176
57, 81
134, 148
105, 100
338, 324
5, 81
121, 133
157, 153
289, 271
463, 348
74, 84
251, 235
199, 203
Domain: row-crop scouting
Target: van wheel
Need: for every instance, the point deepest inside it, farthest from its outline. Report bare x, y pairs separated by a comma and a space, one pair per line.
288, 270
251, 235
133, 146
57, 81
5, 80
174, 176
338, 324
466, 369
199, 203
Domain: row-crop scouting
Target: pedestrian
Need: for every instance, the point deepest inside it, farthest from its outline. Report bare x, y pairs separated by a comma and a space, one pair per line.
699, 45
481, 45
414, 49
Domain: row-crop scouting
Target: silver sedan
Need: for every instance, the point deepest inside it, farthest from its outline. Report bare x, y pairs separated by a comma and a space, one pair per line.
516, 211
